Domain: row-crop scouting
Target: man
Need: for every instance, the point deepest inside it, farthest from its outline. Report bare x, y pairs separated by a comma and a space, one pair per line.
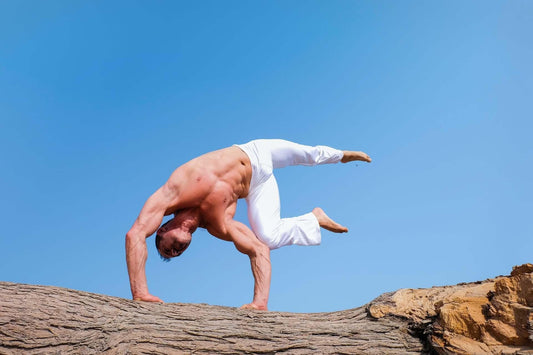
204, 193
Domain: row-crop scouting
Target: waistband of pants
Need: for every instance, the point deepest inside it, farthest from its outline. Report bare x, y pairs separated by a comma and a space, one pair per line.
259, 173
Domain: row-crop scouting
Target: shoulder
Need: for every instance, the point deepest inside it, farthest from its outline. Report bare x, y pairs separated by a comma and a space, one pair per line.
222, 227
219, 231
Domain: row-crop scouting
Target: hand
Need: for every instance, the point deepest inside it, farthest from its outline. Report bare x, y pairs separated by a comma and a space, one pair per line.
148, 298
254, 306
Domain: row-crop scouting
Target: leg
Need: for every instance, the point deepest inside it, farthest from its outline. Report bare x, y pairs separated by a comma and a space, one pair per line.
279, 153
263, 199
327, 223
264, 217
284, 153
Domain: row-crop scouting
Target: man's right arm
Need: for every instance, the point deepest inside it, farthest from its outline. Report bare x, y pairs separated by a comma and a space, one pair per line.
145, 225
247, 243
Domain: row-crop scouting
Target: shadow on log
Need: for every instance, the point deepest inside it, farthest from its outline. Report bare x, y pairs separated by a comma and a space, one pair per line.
492, 316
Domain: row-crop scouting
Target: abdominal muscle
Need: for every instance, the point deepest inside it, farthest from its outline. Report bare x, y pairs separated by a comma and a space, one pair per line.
213, 182
230, 169
233, 171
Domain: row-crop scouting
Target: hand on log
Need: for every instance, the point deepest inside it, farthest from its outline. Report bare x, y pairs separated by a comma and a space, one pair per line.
254, 306
148, 298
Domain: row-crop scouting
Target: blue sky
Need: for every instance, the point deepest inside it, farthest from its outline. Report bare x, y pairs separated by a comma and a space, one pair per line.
100, 101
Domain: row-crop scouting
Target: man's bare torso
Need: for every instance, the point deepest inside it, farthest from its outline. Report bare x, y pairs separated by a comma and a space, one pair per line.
213, 183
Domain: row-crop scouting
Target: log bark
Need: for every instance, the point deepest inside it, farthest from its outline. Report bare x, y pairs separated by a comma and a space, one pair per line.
52, 320
44, 320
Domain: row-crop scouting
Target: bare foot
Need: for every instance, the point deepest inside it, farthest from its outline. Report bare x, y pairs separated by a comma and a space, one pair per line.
351, 156
327, 223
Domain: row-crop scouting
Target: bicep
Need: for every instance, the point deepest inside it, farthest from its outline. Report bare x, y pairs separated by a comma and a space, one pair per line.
152, 212
244, 239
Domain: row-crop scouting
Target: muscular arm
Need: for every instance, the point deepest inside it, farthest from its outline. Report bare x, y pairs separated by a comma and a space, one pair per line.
247, 243
136, 253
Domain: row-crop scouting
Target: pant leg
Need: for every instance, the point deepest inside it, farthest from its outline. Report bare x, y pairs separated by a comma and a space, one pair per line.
263, 200
270, 228
285, 153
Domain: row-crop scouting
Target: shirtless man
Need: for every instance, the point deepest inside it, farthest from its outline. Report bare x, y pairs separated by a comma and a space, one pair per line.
204, 193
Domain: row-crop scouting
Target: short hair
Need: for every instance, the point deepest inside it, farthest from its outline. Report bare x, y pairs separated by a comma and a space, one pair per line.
158, 241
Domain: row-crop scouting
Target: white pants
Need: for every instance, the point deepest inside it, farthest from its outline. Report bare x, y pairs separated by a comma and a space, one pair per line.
263, 198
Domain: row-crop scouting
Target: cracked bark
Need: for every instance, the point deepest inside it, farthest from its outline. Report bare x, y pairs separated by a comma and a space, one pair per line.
45, 319
491, 316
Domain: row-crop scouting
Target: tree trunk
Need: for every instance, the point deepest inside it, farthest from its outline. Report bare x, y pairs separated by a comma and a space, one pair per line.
45, 319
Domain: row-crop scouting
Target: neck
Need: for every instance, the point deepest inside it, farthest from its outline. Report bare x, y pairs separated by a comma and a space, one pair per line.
191, 220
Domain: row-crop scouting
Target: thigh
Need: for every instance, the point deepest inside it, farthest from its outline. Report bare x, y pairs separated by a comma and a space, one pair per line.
284, 153
264, 208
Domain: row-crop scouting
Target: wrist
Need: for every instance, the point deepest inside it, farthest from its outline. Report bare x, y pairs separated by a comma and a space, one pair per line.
139, 294
255, 306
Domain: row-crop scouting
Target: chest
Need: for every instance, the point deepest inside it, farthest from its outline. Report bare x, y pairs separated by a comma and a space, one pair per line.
219, 205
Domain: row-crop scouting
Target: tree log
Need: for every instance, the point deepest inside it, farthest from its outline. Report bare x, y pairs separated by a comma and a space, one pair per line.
45, 319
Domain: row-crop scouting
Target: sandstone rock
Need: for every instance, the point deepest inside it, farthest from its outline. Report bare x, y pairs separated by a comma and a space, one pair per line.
522, 269
492, 316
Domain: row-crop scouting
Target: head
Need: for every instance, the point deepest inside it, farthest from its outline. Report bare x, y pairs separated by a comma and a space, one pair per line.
174, 236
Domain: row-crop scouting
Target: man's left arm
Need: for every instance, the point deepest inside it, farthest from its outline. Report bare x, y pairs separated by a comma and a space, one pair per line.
247, 243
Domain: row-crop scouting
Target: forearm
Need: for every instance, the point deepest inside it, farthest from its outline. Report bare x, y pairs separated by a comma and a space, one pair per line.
247, 243
261, 269
136, 255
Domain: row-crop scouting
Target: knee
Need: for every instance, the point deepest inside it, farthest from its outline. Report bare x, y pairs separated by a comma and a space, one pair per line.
269, 236
262, 232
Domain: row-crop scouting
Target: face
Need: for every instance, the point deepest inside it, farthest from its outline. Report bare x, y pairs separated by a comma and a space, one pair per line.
170, 247
174, 239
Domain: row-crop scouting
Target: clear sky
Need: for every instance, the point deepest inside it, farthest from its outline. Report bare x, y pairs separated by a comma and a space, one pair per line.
101, 100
